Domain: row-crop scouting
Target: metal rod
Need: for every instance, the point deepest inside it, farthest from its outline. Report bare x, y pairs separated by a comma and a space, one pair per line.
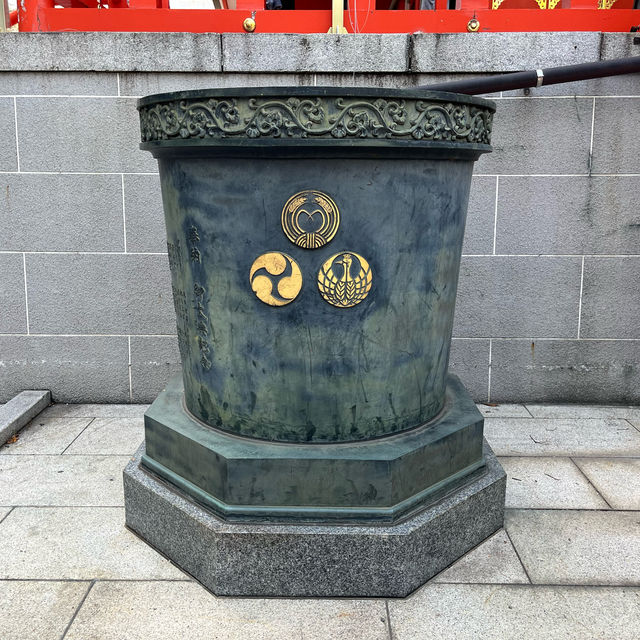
540, 77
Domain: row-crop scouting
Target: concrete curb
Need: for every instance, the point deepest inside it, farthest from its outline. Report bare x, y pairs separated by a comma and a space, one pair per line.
20, 410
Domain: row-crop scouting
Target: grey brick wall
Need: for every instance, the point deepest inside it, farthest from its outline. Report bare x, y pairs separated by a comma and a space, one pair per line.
549, 287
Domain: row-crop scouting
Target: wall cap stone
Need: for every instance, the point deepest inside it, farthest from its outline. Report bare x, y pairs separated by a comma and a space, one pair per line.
109, 51
306, 53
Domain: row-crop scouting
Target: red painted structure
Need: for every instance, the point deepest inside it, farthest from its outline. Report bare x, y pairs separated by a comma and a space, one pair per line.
314, 16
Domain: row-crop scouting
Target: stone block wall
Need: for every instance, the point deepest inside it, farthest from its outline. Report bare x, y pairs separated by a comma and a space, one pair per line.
549, 293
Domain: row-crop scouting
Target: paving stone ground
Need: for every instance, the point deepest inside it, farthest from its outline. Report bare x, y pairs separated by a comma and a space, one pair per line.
566, 565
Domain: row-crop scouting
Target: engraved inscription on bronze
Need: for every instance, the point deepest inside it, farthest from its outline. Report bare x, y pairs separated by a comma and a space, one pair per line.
345, 279
202, 326
182, 320
194, 238
175, 255
180, 304
275, 278
310, 219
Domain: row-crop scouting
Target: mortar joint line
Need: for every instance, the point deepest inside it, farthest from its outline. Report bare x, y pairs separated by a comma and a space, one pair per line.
85, 580
586, 477
557, 175
586, 96
26, 291
580, 298
15, 122
124, 214
86, 426
173, 335
631, 423
129, 370
83, 455
475, 175
386, 606
69, 96
6, 515
526, 573
118, 82
495, 216
75, 613
140, 335
86, 253
496, 255
621, 256
490, 367
593, 121
100, 173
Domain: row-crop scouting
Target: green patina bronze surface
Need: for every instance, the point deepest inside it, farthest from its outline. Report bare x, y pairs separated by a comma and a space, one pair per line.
330, 341
382, 479
308, 371
315, 113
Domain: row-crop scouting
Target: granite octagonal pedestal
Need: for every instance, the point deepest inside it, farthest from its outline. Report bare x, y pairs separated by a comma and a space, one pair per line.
377, 542
314, 444
320, 560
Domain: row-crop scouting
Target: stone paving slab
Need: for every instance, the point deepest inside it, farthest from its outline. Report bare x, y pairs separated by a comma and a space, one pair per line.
577, 547
38, 610
493, 561
46, 436
516, 612
61, 480
545, 437
161, 610
577, 411
503, 411
58, 543
111, 436
617, 480
95, 411
483, 595
548, 483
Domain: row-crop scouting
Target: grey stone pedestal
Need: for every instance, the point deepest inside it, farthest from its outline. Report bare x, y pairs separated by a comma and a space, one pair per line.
313, 560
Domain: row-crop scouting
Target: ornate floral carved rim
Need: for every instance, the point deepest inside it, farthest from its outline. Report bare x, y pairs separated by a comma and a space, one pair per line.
316, 116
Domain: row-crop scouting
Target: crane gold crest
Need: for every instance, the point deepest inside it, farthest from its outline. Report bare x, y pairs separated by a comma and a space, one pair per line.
310, 219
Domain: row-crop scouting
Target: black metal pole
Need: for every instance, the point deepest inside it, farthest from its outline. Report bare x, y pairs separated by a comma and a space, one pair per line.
540, 77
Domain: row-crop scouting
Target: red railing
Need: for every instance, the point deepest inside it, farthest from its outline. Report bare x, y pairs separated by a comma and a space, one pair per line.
314, 16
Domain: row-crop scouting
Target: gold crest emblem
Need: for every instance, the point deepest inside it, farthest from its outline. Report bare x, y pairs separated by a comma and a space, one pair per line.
310, 219
344, 280
275, 278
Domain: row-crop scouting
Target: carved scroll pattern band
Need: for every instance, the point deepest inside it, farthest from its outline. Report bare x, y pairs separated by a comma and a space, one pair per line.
319, 117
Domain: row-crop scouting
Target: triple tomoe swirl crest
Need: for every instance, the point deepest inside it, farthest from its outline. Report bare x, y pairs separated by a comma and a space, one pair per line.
318, 117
